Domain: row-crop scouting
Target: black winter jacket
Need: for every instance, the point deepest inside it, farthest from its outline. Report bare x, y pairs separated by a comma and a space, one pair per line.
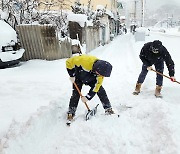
149, 58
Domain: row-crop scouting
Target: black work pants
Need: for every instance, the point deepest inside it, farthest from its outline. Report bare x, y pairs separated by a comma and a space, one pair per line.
75, 97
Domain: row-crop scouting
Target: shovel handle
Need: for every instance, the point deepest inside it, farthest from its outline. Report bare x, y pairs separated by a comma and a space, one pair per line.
163, 75
81, 95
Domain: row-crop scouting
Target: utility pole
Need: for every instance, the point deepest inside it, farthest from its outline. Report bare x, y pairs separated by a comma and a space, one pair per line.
135, 9
142, 12
2, 3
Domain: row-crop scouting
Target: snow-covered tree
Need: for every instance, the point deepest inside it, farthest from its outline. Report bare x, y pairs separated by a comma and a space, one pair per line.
26, 12
58, 17
77, 8
19, 12
95, 16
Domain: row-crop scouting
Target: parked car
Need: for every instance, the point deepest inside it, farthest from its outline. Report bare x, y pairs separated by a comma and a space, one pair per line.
10, 51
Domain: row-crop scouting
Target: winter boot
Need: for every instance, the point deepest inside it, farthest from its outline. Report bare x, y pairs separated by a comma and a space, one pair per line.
158, 91
137, 89
109, 111
70, 116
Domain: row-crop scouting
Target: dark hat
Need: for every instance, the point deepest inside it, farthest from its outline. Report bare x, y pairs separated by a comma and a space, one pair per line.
157, 44
104, 68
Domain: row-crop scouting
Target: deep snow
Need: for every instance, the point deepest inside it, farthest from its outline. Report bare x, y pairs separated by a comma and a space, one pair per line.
35, 97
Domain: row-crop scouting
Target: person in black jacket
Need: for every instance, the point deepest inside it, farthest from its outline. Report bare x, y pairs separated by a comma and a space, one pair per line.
154, 53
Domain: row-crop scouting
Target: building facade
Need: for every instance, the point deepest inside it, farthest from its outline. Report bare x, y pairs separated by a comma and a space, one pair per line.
66, 4
108, 23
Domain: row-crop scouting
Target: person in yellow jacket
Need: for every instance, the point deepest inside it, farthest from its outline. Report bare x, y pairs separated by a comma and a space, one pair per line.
88, 70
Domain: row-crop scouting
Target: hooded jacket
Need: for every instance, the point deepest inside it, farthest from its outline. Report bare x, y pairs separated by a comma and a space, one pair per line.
149, 58
81, 67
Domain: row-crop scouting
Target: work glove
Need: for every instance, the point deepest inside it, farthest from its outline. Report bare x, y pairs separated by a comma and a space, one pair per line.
172, 78
149, 68
84, 99
72, 79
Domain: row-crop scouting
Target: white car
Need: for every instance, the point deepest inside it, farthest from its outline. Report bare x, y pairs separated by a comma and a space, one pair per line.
10, 51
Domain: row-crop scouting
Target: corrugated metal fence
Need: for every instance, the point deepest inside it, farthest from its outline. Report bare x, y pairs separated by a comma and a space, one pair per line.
41, 42
92, 38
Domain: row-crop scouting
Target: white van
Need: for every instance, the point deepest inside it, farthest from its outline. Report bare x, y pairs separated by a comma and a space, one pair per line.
10, 51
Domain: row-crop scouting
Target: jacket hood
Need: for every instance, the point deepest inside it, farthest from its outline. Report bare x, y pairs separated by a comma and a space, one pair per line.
104, 68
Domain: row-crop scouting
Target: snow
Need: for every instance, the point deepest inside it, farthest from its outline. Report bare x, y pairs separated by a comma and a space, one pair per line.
108, 12
7, 34
4, 15
170, 31
8, 38
75, 42
122, 17
99, 7
35, 97
80, 18
11, 55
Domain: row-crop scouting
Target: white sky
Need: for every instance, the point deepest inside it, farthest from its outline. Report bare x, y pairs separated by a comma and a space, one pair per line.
157, 3
154, 4
35, 97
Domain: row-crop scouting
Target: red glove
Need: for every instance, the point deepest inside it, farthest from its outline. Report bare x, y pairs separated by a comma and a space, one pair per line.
172, 78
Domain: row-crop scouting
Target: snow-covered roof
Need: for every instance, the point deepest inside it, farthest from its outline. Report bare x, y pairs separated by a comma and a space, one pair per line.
80, 18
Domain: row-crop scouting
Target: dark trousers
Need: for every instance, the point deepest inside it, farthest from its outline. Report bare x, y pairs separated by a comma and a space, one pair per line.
159, 66
75, 97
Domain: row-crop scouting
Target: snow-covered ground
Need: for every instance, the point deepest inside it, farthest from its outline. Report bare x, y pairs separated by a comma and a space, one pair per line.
35, 97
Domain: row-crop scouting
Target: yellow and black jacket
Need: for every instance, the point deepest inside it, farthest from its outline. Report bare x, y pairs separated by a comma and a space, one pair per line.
81, 67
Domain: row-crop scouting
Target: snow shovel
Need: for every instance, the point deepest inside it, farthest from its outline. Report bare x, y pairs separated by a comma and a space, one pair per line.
90, 113
163, 75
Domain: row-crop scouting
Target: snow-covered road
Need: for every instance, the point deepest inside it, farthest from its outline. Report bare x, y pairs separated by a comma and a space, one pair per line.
152, 126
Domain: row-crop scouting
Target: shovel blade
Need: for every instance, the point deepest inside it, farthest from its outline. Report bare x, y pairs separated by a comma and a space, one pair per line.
91, 113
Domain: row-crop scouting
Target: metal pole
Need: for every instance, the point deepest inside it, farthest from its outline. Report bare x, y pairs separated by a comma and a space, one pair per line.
2, 3
135, 8
142, 13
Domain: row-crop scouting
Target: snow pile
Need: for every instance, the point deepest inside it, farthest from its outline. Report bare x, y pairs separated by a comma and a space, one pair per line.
45, 117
